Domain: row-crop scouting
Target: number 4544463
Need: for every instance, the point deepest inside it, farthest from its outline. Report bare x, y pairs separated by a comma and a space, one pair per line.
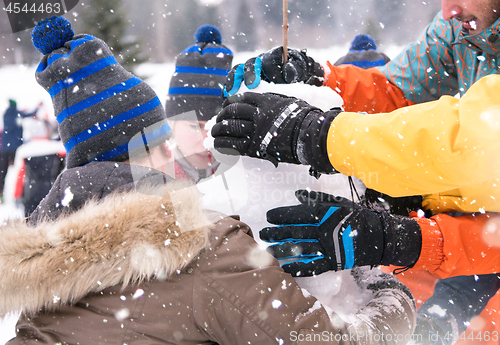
478, 336
19, 7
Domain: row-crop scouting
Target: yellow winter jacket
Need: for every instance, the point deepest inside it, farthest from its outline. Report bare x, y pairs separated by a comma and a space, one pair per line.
447, 150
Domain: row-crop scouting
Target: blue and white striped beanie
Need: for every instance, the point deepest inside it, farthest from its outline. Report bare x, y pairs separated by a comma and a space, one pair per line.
363, 53
105, 113
199, 77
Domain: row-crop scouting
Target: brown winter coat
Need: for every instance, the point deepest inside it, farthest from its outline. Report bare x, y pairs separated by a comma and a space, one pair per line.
135, 268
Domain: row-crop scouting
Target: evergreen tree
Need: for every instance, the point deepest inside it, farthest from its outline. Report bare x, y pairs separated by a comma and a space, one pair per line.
246, 36
187, 16
107, 20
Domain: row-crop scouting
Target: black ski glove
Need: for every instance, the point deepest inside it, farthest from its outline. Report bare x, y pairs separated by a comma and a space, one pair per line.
327, 233
269, 67
274, 127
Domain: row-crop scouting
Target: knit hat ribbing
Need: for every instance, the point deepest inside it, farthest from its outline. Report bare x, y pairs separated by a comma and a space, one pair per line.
100, 107
200, 74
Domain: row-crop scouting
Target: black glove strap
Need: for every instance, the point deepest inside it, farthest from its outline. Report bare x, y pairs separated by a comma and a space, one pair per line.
279, 143
285, 114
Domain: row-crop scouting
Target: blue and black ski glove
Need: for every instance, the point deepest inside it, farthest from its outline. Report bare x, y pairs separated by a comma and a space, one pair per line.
326, 233
276, 128
269, 67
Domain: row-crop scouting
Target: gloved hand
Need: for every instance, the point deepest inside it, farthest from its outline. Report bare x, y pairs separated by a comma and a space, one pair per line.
274, 127
327, 233
269, 67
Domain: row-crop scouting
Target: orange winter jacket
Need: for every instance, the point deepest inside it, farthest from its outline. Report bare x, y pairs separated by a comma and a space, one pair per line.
366, 90
455, 246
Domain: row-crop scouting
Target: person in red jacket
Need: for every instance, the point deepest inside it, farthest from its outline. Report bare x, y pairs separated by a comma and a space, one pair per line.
38, 162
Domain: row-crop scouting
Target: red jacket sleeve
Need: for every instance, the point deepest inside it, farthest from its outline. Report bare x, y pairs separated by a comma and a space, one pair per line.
19, 187
464, 245
366, 90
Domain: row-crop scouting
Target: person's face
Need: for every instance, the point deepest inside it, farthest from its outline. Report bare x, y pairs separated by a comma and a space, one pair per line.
189, 137
475, 15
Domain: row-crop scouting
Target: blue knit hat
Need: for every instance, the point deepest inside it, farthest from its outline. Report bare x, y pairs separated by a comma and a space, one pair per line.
104, 112
363, 53
199, 77
363, 42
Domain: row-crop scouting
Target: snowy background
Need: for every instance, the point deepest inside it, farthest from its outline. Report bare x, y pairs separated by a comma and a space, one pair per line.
251, 186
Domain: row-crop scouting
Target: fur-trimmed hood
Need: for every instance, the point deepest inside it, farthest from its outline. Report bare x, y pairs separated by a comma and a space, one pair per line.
123, 238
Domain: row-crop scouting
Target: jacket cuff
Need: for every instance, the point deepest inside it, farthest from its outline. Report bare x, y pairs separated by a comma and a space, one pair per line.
431, 254
312, 140
402, 240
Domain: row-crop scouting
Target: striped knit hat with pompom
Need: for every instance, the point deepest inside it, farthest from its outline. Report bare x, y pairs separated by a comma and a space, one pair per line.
199, 77
104, 112
363, 53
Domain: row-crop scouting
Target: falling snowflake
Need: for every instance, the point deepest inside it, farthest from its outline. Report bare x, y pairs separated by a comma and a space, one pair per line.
258, 257
437, 310
276, 304
122, 314
68, 196
138, 294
